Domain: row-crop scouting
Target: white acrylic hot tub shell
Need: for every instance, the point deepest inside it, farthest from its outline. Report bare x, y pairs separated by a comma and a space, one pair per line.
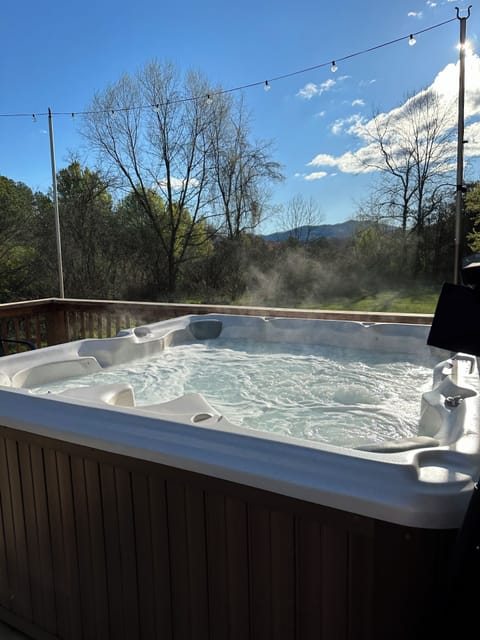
423, 487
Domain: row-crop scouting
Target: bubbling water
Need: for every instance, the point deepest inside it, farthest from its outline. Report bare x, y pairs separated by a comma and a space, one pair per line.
326, 394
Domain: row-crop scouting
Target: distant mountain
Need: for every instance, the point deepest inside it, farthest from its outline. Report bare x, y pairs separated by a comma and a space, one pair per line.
339, 230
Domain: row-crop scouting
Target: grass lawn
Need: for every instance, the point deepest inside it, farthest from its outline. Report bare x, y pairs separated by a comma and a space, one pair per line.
421, 301
415, 300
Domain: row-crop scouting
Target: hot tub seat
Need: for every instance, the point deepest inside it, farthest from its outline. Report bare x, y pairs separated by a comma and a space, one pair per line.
191, 408
55, 370
120, 394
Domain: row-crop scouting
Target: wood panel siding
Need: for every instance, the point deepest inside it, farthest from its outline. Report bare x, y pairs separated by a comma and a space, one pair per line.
98, 545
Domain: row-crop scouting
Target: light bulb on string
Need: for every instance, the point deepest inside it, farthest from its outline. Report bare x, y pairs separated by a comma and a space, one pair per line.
209, 99
34, 117
73, 116
267, 86
411, 40
334, 67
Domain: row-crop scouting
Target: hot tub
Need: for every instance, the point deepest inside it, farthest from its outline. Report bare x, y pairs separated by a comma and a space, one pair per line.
240, 513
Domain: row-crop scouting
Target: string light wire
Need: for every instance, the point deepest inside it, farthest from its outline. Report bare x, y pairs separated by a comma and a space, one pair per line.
265, 83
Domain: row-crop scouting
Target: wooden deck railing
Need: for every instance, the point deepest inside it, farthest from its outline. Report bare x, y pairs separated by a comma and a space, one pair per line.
55, 320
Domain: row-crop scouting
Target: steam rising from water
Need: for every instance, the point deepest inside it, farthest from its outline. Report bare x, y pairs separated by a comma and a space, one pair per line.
326, 394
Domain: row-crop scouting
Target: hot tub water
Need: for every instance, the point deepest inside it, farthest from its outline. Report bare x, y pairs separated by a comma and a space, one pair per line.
325, 394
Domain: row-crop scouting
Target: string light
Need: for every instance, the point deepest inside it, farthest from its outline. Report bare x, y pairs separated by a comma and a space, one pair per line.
209, 99
34, 117
265, 83
73, 116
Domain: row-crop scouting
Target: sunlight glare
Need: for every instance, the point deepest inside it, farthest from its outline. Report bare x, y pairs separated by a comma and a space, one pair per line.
467, 47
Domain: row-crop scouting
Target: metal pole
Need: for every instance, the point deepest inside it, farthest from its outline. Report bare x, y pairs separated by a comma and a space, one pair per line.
55, 204
460, 143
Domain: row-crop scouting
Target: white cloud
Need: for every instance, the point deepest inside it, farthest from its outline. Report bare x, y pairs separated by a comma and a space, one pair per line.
177, 184
365, 83
310, 89
365, 157
414, 14
431, 4
472, 135
349, 162
337, 127
323, 160
320, 114
446, 84
347, 125
358, 103
316, 175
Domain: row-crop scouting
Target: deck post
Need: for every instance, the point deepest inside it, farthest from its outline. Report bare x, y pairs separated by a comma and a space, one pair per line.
56, 324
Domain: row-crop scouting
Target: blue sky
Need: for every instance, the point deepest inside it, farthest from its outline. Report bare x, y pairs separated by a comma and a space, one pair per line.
59, 54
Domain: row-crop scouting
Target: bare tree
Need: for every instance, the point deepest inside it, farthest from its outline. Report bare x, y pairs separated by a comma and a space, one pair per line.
152, 130
300, 216
242, 169
414, 151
